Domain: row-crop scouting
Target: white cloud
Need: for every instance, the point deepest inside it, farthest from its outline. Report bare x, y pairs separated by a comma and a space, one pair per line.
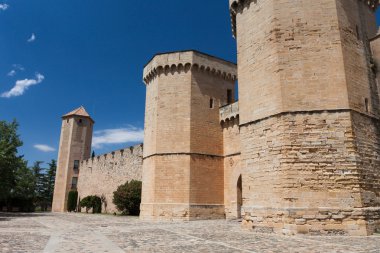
22, 85
117, 136
16, 68
12, 73
44, 148
32, 38
3, 7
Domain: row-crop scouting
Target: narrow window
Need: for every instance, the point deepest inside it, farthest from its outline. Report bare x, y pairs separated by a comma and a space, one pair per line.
80, 121
366, 105
76, 165
211, 103
357, 33
74, 183
229, 96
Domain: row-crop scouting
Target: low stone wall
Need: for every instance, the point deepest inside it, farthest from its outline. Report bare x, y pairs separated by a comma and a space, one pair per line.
102, 175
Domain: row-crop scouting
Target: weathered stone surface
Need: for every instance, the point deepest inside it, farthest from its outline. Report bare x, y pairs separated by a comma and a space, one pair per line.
309, 115
183, 170
75, 145
102, 175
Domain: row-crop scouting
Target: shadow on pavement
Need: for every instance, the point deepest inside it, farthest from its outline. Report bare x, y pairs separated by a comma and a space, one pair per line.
4, 216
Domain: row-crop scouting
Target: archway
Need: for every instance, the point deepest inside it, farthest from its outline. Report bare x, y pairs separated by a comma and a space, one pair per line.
239, 196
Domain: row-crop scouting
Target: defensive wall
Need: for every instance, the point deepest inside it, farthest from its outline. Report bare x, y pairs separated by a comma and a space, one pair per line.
101, 175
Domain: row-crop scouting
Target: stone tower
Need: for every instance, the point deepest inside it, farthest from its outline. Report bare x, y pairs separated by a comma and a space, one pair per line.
309, 115
75, 145
183, 143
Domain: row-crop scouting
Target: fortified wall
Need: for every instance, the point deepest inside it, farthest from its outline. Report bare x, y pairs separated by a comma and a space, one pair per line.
299, 152
309, 115
183, 172
102, 174
229, 122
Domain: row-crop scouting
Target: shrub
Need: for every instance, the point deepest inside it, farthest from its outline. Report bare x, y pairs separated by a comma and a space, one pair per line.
93, 202
127, 197
72, 201
96, 204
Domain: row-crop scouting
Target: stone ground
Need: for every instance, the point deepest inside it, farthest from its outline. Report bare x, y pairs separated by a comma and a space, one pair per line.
103, 233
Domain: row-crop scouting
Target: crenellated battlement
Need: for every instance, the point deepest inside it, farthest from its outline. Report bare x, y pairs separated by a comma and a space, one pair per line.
183, 61
238, 5
229, 112
133, 150
102, 174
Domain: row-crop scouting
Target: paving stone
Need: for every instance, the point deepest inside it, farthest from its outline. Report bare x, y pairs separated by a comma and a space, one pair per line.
105, 233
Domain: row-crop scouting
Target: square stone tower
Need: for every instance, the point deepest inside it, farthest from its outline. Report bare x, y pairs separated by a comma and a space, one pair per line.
309, 115
183, 143
74, 146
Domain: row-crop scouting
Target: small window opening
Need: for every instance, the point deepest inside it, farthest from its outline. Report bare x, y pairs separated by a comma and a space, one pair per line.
76, 165
229, 96
211, 103
67, 121
366, 105
74, 183
357, 33
80, 121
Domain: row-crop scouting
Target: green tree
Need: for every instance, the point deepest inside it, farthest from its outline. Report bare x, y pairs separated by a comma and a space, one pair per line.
48, 185
72, 201
127, 197
9, 159
93, 202
38, 183
23, 193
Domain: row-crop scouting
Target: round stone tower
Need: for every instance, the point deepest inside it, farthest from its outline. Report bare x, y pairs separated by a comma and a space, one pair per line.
183, 143
74, 146
309, 115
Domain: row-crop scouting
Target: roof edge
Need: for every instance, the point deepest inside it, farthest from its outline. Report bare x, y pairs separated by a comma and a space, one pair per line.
189, 50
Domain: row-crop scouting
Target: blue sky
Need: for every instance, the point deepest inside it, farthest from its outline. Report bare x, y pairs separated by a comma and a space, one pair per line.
92, 53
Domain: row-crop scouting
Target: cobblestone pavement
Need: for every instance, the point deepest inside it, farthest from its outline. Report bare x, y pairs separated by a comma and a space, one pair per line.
103, 233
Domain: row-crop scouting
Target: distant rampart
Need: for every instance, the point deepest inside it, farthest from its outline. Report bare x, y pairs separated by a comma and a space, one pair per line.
102, 174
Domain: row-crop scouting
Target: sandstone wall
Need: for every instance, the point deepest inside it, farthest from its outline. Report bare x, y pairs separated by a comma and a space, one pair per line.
312, 162
167, 130
61, 173
357, 25
367, 132
304, 69
229, 117
296, 154
102, 175
183, 161
289, 57
75, 144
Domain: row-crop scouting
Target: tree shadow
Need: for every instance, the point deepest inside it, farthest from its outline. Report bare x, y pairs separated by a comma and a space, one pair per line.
4, 216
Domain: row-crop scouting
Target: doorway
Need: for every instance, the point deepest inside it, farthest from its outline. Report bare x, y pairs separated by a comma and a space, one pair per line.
239, 197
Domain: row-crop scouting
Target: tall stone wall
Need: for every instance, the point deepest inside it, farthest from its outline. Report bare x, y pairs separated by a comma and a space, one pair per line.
310, 162
357, 24
304, 74
183, 155
102, 174
75, 144
229, 120
289, 57
367, 141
